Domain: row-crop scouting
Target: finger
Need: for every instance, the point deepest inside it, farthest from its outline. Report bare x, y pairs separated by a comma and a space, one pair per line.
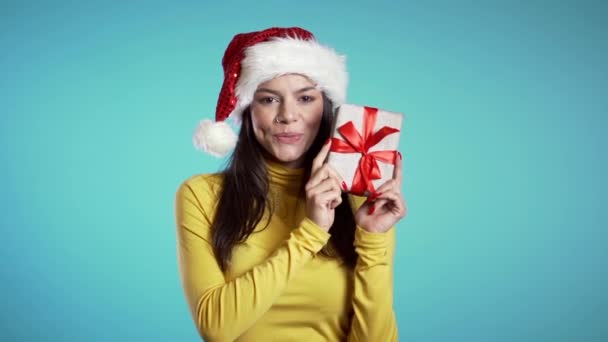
325, 172
335, 203
335, 177
394, 202
327, 198
397, 170
325, 185
316, 178
390, 185
379, 204
321, 156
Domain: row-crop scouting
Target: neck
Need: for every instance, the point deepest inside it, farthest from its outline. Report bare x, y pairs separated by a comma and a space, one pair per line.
295, 164
283, 176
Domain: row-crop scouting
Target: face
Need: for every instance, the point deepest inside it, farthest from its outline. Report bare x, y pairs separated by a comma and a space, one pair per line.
286, 114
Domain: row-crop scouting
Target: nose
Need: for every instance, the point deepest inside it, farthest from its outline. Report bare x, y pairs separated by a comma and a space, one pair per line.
288, 112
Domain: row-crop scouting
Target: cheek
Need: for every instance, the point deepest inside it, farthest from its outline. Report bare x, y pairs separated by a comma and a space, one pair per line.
314, 127
260, 126
315, 122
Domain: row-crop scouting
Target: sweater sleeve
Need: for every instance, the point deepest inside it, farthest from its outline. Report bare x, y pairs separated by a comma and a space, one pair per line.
374, 317
222, 310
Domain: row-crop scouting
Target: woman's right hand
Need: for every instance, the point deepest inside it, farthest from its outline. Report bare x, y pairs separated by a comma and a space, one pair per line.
323, 191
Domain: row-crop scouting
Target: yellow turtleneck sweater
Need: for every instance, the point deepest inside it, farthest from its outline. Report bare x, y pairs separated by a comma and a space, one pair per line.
277, 288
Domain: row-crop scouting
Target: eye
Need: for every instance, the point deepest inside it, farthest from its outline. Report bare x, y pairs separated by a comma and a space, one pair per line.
267, 100
307, 98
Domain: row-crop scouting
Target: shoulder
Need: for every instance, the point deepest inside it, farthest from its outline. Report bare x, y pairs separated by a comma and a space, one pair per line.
210, 181
201, 187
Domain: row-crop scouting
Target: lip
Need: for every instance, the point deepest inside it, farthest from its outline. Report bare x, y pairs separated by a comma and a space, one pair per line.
288, 138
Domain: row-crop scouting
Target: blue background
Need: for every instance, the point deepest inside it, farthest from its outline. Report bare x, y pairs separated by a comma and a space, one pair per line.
504, 148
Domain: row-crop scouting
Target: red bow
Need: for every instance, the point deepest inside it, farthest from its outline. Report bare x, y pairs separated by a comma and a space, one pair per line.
353, 142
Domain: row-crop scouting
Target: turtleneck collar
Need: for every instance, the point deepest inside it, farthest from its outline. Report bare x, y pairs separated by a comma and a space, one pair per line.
284, 177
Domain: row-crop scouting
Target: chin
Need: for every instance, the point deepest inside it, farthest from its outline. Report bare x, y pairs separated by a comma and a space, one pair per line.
288, 156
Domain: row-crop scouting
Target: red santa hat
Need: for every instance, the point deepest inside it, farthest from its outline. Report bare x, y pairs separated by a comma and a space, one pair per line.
256, 57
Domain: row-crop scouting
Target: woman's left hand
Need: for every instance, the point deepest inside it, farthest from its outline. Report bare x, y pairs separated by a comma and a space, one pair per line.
384, 208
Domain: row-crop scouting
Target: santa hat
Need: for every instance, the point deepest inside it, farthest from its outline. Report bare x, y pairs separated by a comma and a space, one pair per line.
256, 57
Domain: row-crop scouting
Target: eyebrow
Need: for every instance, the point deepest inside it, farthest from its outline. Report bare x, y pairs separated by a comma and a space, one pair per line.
279, 94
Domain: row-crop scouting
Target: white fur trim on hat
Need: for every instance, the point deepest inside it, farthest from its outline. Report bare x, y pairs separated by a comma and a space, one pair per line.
284, 55
214, 137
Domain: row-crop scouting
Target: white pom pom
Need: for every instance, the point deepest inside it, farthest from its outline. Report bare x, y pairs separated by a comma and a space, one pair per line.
215, 138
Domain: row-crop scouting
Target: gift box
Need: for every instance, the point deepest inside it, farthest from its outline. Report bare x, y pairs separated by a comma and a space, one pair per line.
364, 146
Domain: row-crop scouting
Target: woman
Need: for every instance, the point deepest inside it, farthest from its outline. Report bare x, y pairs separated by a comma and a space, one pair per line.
272, 249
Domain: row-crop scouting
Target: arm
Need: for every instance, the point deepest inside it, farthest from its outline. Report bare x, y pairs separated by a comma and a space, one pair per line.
223, 310
374, 318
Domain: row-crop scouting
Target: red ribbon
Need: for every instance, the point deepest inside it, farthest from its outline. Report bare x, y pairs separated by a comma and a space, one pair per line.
353, 142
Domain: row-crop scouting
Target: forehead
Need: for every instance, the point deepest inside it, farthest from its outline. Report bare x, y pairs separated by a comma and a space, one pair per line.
292, 81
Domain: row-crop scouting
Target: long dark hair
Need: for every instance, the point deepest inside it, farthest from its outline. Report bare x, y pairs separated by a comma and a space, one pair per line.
243, 197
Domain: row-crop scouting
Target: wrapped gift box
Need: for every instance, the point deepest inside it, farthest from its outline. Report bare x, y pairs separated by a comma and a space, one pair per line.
364, 146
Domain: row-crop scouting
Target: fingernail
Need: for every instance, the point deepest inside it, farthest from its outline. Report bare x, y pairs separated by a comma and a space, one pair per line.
374, 196
371, 209
327, 141
344, 187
